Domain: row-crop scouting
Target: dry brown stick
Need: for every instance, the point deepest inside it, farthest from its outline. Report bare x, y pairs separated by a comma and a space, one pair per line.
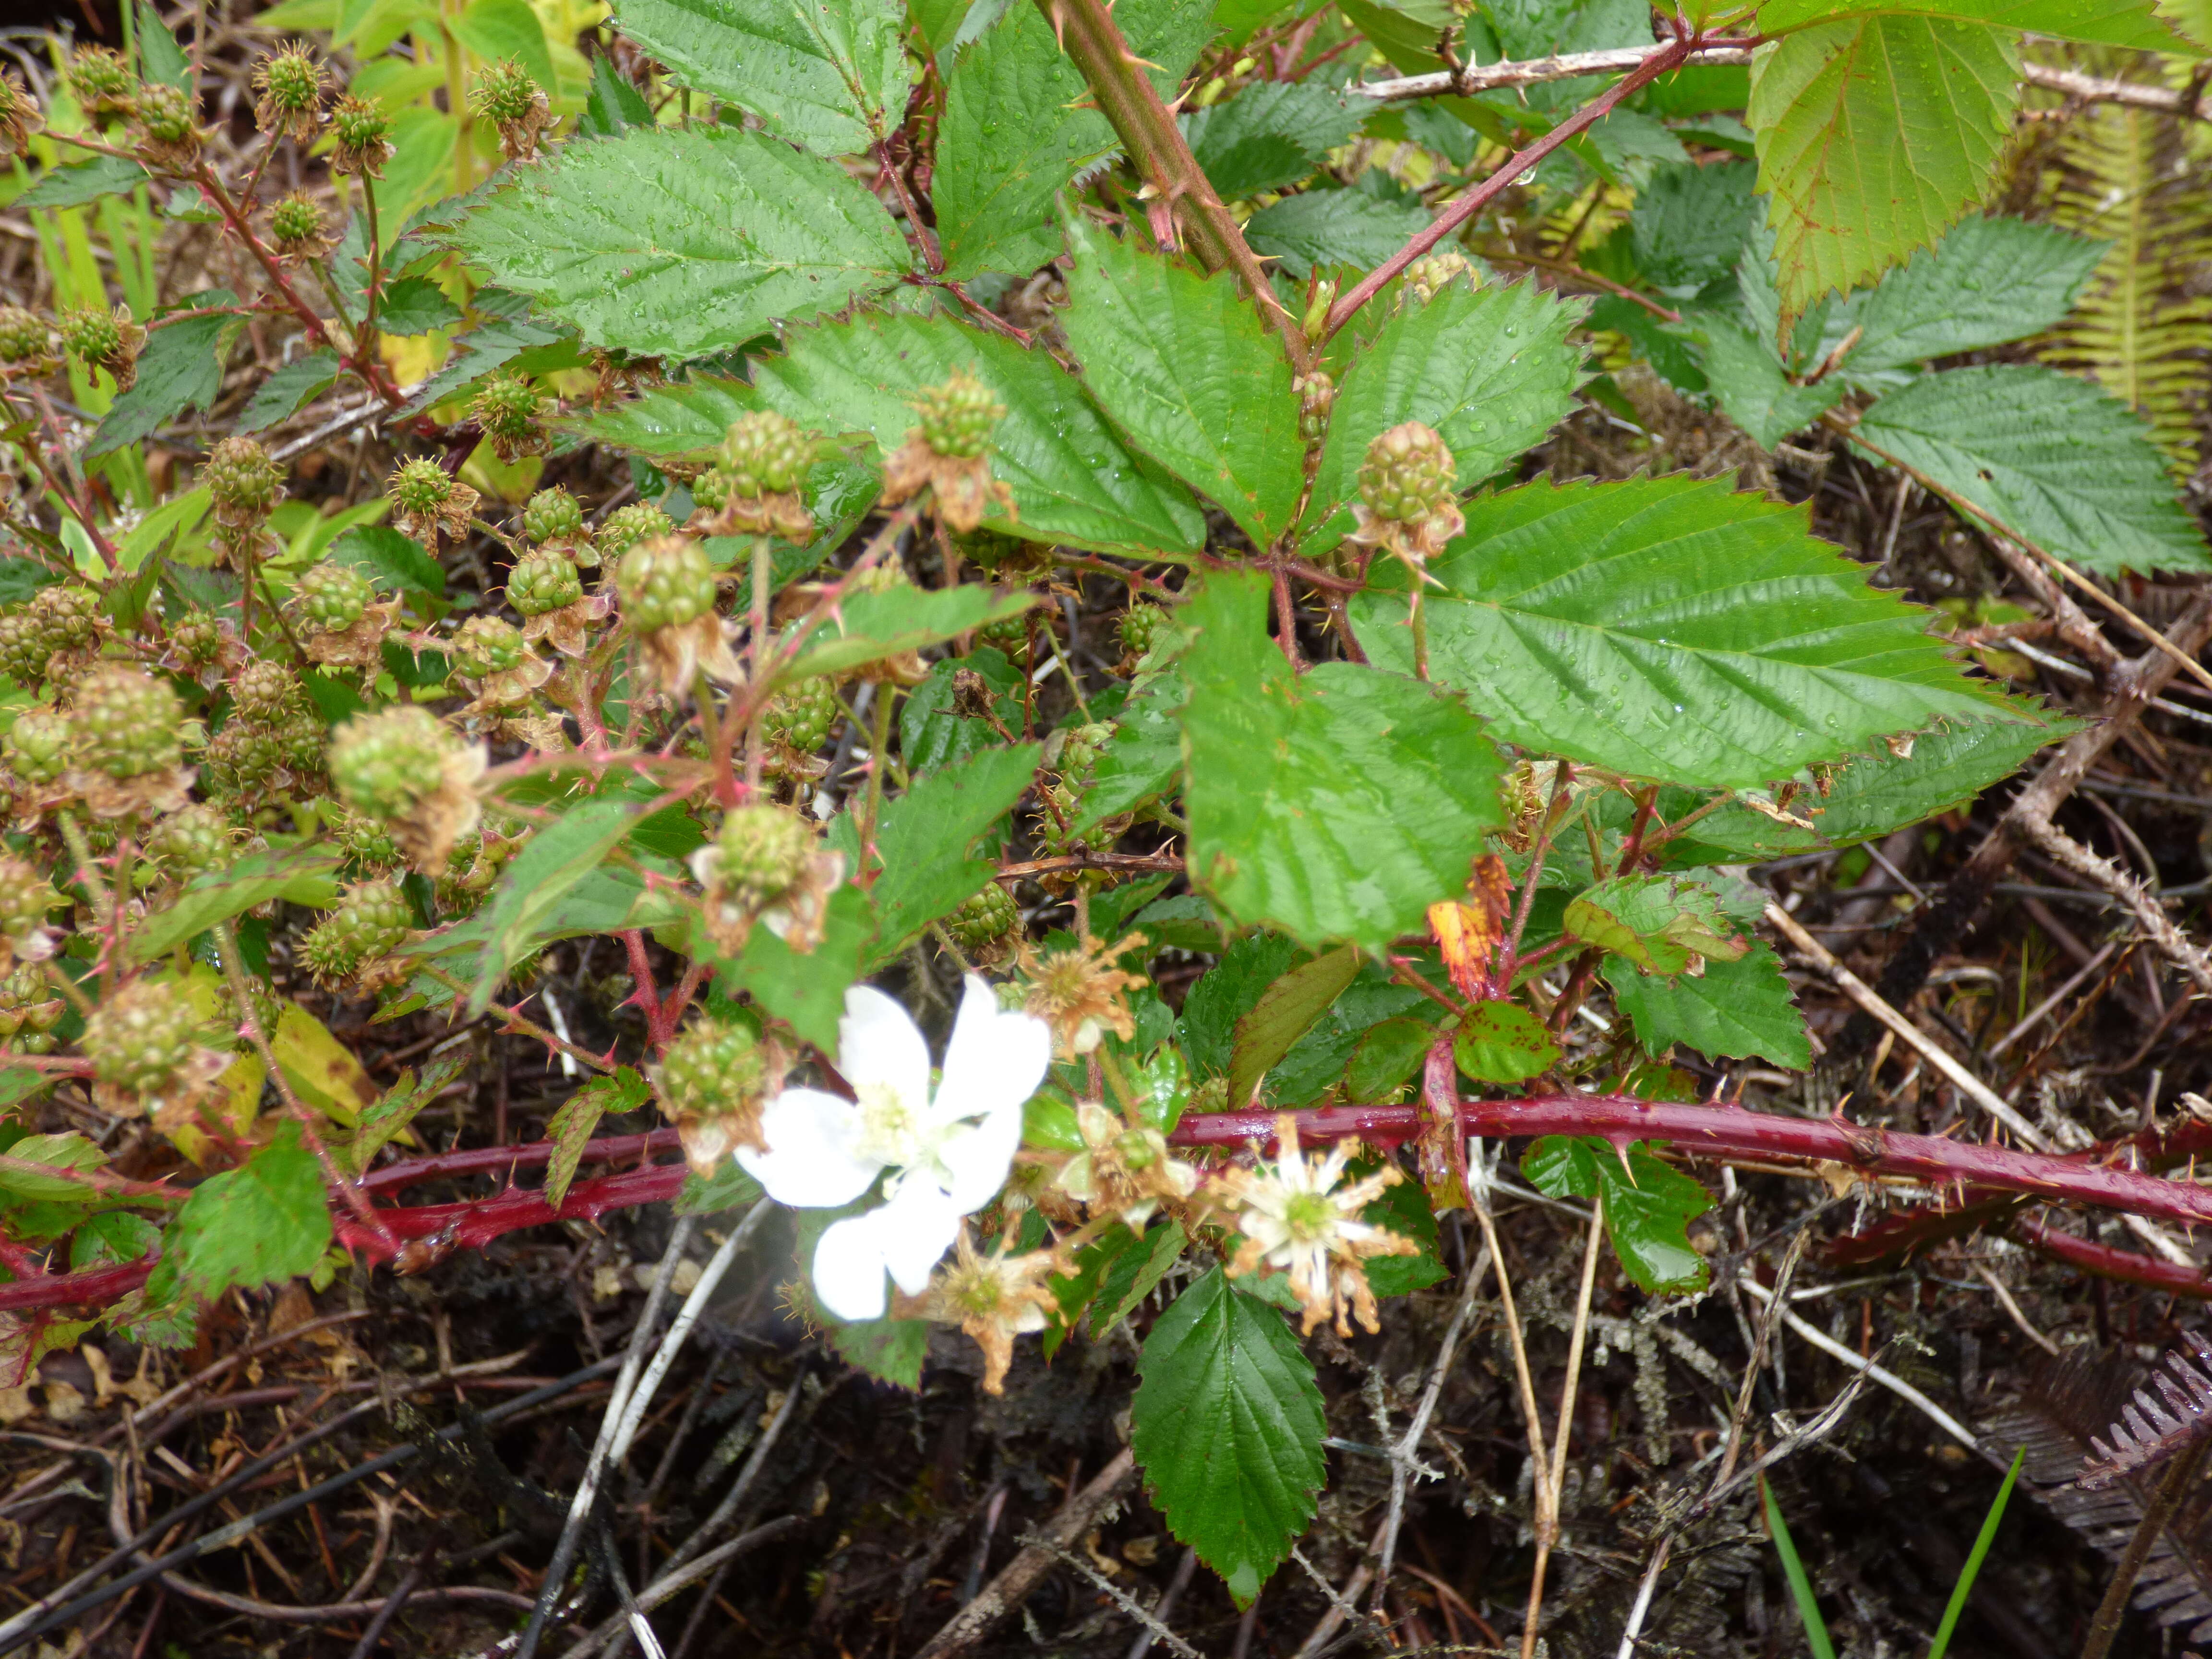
1019, 1577
2174, 946
2112, 1611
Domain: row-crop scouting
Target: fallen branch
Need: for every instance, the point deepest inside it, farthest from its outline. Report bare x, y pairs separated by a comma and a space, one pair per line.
2141, 902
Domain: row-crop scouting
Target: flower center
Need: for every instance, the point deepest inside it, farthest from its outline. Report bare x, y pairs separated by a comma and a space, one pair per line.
1309, 1216
890, 1129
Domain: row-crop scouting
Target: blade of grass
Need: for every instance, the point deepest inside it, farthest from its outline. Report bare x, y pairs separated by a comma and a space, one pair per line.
1808, 1610
1965, 1587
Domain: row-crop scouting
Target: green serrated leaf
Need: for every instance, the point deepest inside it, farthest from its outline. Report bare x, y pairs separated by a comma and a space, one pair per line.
220, 895
1648, 1206
830, 73
2100, 22
1285, 1013
679, 242
1690, 222
1388, 1054
415, 304
576, 1120
1227, 1426
1336, 805
894, 621
932, 730
1670, 628
2054, 460
1141, 762
179, 369
281, 396
117, 1237
613, 102
806, 990
1662, 924
1502, 1043
1132, 1275
86, 181
383, 1119
728, 1188
260, 1223
67, 1151
1734, 1010
924, 837
160, 58
1271, 135
1188, 371
394, 562
1324, 229
1071, 479
530, 889
497, 29
1404, 1210
1874, 133
890, 1350
1747, 378
1228, 991
1491, 369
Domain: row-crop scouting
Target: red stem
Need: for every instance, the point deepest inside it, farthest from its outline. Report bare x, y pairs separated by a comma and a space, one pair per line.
1464, 207
610, 1148
1732, 1132
95, 1287
471, 1225
2107, 1262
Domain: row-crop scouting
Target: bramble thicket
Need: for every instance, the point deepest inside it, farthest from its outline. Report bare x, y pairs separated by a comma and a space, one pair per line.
1186, 826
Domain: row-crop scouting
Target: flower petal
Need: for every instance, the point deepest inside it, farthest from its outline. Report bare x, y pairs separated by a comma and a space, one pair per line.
977, 1158
807, 1162
995, 1060
848, 1267
915, 1229
880, 1044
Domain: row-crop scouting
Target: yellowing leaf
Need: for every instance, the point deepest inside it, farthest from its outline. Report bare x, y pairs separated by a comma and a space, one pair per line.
321, 1070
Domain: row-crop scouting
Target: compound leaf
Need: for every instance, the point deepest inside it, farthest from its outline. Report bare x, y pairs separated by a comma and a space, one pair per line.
1227, 1427
682, 242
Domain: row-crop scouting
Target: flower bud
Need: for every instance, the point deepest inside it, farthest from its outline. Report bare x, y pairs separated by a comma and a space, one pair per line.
1317, 397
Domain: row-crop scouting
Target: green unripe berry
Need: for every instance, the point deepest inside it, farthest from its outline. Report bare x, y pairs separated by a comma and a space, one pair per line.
296, 223
124, 722
801, 717
333, 596
1080, 747
101, 80
371, 919
197, 636
23, 648
362, 130
1010, 634
984, 919
1407, 473
166, 115
38, 746
763, 852
766, 453
543, 579
195, 838
367, 844
141, 1039
299, 737
419, 487
242, 759
242, 480
70, 616
1140, 627
485, 646
552, 515
266, 690
231, 1019
958, 417
505, 93
386, 762
26, 898
508, 407
291, 86
91, 335
715, 1068
710, 490
625, 528
663, 583
25, 336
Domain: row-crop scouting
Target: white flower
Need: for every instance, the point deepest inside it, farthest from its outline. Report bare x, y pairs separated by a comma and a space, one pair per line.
947, 1155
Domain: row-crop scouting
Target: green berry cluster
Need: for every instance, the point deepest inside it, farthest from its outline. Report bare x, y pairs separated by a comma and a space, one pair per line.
37, 746
763, 852
267, 691
125, 723
713, 1068
552, 515
625, 528
334, 597
26, 898
1407, 474
367, 844
371, 918
295, 223
385, 763
242, 480
984, 919
25, 336
166, 117
362, 129
196, 838
710, 490
543, 579
507, 408
959, 417
766, 453
504, 92
802, 716
141, 1039
1140, 627
29, 1010
101, 81
663, 583
68, 616
485, 646
197, 637
419, 487
91, 335
291, 83
23, 649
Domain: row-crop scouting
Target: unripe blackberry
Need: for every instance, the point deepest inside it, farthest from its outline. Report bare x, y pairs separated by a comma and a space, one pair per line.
101, 80
1010, 634
665, 582
124, 722
715, 1068
141, 1039
230, 1019
333, 596
266, 690
1140, 627
367, 844
296, 224
710, 490
552, 515
625, 528
68, 616
1425, 275
299, 735
197, 637
38, 746
985, 919
1409, 473
241, 760
768, 454
801, 716
958, 417
507, 408
166, 118
362, 129
485, 646
543, 579
419, 487
29, 1009
1080, 747
91, 335
387, 762
25, 336
505, 93
291, 83
371, 918
26, 898
244, 484
195, 838
764, 850
23, 648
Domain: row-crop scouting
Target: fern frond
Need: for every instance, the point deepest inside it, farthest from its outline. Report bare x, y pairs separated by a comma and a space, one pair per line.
2139, 331
2148, 1430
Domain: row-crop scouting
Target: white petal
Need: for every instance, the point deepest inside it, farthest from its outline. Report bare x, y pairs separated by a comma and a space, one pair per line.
994, 1061
807, 1162
848, 1267
915, 1230
877, 1044
977, 1158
